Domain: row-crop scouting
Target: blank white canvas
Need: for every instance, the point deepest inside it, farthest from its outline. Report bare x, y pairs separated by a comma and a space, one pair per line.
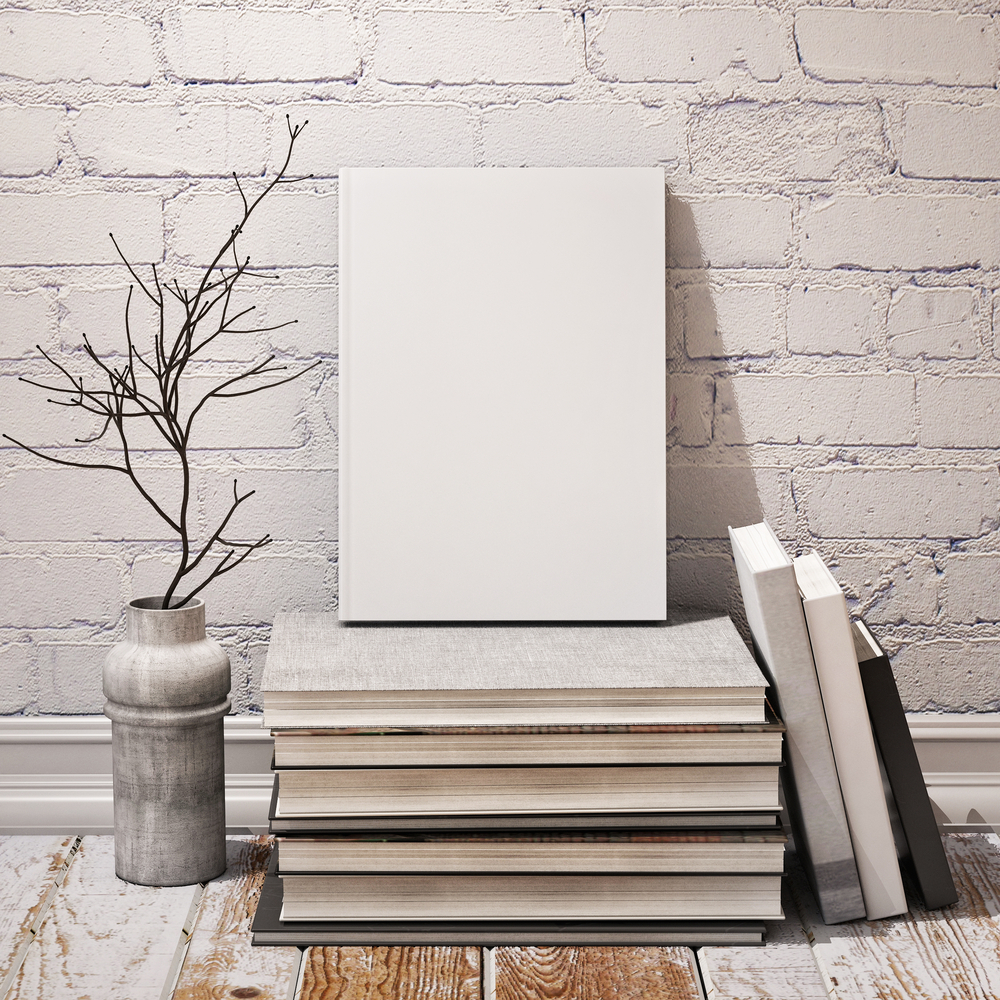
502, 394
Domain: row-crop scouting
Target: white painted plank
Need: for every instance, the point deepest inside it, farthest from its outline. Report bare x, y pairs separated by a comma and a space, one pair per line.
103, 937
784, 967
947, 954
220, 960
31, 869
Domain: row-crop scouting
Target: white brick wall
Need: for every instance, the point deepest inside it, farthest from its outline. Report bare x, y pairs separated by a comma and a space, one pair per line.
833, 283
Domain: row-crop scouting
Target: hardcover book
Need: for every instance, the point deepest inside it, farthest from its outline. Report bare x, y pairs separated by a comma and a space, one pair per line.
321, 672
812, 787
851, 736
921, 850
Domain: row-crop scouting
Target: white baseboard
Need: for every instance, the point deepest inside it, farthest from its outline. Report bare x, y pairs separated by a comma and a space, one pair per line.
55, 772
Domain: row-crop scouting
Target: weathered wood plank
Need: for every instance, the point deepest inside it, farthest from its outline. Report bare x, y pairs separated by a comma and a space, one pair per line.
784, 968
220, 960
31, 870
948, 954
104, 937
593, 973
391, 974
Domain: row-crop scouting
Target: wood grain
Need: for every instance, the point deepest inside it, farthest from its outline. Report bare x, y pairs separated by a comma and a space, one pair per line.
784, 969
220, 961
104, 938
530, 973
31, 869
946, 954
391, 974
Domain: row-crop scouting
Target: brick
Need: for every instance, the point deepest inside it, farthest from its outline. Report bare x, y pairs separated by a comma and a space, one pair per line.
959, 411
706, 499
70, 677
728, 231
289, 504
824, 409
895, 46
972, 586
946, 675
52, 592
890, 590
700, 580
801, 140
686, 46
383, 135
15, 667
55, 228
434, 46
49, 46
59, 503
255, 591
557, 133
950, 141
31, 139
729, 321
293, 229
151, 140
886, 232
932, 323
830, 321
239, 45
690, 402
945, 502
26, 319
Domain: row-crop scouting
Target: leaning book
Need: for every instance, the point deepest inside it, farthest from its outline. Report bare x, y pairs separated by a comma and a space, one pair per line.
812, 789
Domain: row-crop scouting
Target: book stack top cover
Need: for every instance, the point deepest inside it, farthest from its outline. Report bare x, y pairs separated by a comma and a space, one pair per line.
321, 672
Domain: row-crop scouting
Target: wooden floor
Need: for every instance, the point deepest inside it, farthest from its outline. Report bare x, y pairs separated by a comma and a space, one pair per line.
69, 929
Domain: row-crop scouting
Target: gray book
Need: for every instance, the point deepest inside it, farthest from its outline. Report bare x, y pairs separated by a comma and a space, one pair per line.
812, 787
321, 672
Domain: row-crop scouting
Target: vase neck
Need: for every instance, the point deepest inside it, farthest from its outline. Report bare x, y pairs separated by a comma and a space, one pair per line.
148, 623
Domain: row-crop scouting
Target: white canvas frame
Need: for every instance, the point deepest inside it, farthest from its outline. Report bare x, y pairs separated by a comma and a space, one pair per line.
502, 394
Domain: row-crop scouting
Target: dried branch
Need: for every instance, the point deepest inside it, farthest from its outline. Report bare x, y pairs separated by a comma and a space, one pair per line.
205, 314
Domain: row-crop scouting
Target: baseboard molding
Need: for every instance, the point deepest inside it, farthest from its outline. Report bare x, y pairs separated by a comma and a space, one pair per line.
56, 772
56, 775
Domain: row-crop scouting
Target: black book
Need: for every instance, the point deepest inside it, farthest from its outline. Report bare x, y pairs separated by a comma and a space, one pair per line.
269, 929
922, 851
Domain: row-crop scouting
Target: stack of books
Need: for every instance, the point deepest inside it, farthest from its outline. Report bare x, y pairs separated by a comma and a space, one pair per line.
519, 784
846, 740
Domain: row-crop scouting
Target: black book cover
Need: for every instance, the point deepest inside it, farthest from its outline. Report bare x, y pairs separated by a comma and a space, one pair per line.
923, 852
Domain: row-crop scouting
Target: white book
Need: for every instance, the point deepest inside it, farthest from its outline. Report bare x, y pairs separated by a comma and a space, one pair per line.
851, 735
812, 789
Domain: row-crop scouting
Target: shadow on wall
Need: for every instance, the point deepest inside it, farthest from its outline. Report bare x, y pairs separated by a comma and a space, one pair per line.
711, 483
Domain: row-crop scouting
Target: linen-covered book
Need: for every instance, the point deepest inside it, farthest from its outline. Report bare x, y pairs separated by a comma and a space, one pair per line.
437, 791
599, 851
851, 736
321, 672
747, 743
812, 787
474, 896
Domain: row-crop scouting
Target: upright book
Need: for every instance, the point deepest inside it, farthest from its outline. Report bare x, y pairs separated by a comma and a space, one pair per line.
321, 672
922, 849
777, 622
851, 735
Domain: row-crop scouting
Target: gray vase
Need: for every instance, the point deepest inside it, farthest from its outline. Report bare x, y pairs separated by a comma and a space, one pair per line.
167, 687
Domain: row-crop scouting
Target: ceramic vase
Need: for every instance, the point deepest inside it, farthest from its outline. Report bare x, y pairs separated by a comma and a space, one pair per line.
167, 689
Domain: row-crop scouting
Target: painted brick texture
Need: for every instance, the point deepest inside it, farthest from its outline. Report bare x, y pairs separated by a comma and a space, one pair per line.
833, 280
